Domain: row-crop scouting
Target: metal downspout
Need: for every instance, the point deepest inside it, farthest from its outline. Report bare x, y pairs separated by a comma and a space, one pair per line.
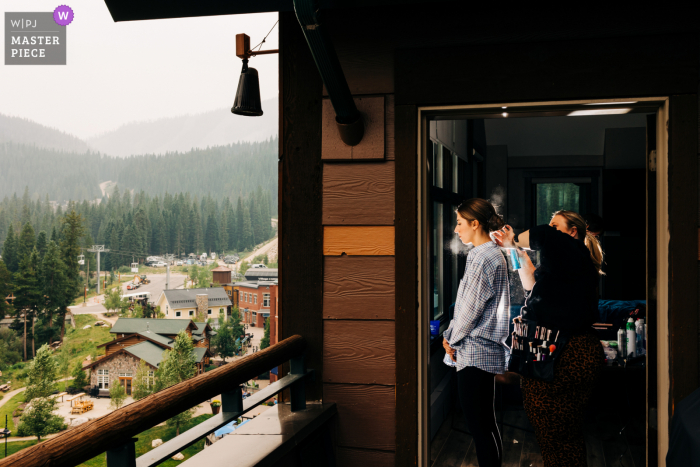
347, 117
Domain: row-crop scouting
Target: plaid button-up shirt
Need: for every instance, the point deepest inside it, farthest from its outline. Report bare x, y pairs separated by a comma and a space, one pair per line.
480, 325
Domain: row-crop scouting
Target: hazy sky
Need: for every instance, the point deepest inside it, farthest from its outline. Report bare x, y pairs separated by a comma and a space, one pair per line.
138, 70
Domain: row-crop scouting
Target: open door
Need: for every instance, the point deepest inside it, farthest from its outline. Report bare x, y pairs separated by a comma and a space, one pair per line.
652, 321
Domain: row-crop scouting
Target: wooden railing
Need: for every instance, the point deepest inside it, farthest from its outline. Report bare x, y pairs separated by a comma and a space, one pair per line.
113, 433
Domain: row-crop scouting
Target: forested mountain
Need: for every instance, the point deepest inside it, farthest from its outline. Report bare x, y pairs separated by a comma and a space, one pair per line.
224, 171
183, 133
141, 225
25, 131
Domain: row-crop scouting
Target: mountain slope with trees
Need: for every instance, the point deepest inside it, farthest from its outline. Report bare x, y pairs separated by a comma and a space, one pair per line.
186, 132
223, 171
24, 131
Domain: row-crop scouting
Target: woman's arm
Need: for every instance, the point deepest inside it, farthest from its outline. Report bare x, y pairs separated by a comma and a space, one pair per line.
505, 238
526, 271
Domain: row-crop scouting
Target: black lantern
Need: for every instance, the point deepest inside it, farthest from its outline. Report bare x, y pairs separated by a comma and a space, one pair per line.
247, 100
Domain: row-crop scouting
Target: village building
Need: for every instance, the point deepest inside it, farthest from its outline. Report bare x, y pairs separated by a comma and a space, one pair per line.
137, 339
200, 304
257, 296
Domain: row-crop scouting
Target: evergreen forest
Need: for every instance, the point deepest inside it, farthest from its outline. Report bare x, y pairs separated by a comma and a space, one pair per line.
220, 172
134, 227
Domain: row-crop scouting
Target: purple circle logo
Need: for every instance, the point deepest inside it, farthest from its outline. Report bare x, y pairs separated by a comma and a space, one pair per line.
63, 15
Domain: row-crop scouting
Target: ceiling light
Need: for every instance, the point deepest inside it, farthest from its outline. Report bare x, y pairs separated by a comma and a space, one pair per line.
612, 103
505, 114
579, 113
504, 107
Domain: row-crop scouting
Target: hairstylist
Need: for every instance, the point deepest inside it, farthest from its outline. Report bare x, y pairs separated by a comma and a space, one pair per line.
561, 294
477, 334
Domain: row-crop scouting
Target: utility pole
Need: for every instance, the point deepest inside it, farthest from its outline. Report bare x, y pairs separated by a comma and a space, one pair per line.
168, 258
98, 249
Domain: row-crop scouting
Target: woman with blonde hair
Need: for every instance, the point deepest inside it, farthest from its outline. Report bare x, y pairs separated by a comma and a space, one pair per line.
476, 337
561, 297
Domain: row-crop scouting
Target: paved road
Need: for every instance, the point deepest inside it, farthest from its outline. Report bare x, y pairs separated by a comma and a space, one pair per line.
156, 286
263, 249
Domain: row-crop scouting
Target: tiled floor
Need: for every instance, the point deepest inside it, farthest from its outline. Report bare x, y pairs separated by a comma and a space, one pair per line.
606, 447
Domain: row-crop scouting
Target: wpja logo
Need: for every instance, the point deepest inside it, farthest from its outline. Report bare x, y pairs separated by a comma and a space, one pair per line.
37, 38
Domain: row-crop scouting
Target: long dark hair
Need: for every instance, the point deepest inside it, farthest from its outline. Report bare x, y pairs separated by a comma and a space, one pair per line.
477, 209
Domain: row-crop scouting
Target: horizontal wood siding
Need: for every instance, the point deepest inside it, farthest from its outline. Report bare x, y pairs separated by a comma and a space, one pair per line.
358, 287
360, 352
360, 241
366, 415
365, 458
358, 194
129, 341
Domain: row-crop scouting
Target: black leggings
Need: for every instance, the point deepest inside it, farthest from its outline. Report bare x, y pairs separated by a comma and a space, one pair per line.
476, 395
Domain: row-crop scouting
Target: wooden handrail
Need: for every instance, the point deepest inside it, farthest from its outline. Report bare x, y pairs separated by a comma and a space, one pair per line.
96, 436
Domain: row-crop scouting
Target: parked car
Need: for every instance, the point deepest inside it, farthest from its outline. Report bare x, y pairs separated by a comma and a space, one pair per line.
159, 264
178, 263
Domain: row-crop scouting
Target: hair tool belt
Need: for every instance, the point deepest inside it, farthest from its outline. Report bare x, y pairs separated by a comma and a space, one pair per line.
534, 349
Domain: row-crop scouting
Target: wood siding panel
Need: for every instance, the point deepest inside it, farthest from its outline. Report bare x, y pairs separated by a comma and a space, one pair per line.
684, 361
390, 128
366, 415
300, 197
406, 290
359, 352
364, 457
358, 241
359, 287
129, 341
358, 194
372, 146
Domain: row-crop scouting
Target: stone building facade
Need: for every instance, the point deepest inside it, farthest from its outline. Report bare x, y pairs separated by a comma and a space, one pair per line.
123, 364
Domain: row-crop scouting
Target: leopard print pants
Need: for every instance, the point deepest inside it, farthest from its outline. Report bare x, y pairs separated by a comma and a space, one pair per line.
556, 409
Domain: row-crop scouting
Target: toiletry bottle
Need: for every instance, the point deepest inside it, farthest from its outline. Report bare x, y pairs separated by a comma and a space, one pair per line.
631, 339
639, 329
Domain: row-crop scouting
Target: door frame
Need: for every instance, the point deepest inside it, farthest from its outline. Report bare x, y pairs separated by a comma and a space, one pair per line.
663, 383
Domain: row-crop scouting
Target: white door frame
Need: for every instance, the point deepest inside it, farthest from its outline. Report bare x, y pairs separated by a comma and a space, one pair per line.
662, 293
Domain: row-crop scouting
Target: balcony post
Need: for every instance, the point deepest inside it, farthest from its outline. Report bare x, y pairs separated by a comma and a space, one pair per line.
123, 455
298, 391
232, 401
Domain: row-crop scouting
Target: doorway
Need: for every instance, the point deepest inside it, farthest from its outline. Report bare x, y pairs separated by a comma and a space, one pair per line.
530, 160
125, 379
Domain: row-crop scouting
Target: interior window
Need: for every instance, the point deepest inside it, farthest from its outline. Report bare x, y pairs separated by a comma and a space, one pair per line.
552, 197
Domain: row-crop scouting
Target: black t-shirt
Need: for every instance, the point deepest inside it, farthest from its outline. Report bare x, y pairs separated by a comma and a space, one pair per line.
565, 292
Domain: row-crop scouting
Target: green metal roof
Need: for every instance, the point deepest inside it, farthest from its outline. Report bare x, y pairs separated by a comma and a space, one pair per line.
147, 351
157, 326
158, 338
199, 353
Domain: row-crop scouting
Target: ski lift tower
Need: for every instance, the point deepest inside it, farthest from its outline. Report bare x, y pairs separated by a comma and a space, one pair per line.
168, 259
98, 249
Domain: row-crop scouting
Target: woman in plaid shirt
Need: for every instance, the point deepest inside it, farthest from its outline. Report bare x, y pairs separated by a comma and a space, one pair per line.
477, 334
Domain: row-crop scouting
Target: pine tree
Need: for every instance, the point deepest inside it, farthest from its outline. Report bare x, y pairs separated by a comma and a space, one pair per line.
28, 297
265, 341
231, 224
9, 251
211, 242
177, 365
6, 288
41, 376
41, 244
54, 283
240, 225
143, 383
72, 231
247, 239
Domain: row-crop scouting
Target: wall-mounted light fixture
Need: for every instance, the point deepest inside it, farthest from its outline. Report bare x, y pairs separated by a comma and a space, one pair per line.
247, 101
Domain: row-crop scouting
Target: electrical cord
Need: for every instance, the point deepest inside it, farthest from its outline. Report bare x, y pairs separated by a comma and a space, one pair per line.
263, 41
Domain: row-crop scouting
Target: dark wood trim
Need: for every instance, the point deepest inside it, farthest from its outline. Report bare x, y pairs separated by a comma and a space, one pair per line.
407, 361
544, 71
684, 321
300, 197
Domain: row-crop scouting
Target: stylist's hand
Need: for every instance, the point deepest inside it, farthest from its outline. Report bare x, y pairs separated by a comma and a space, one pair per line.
504, 237
450, 351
